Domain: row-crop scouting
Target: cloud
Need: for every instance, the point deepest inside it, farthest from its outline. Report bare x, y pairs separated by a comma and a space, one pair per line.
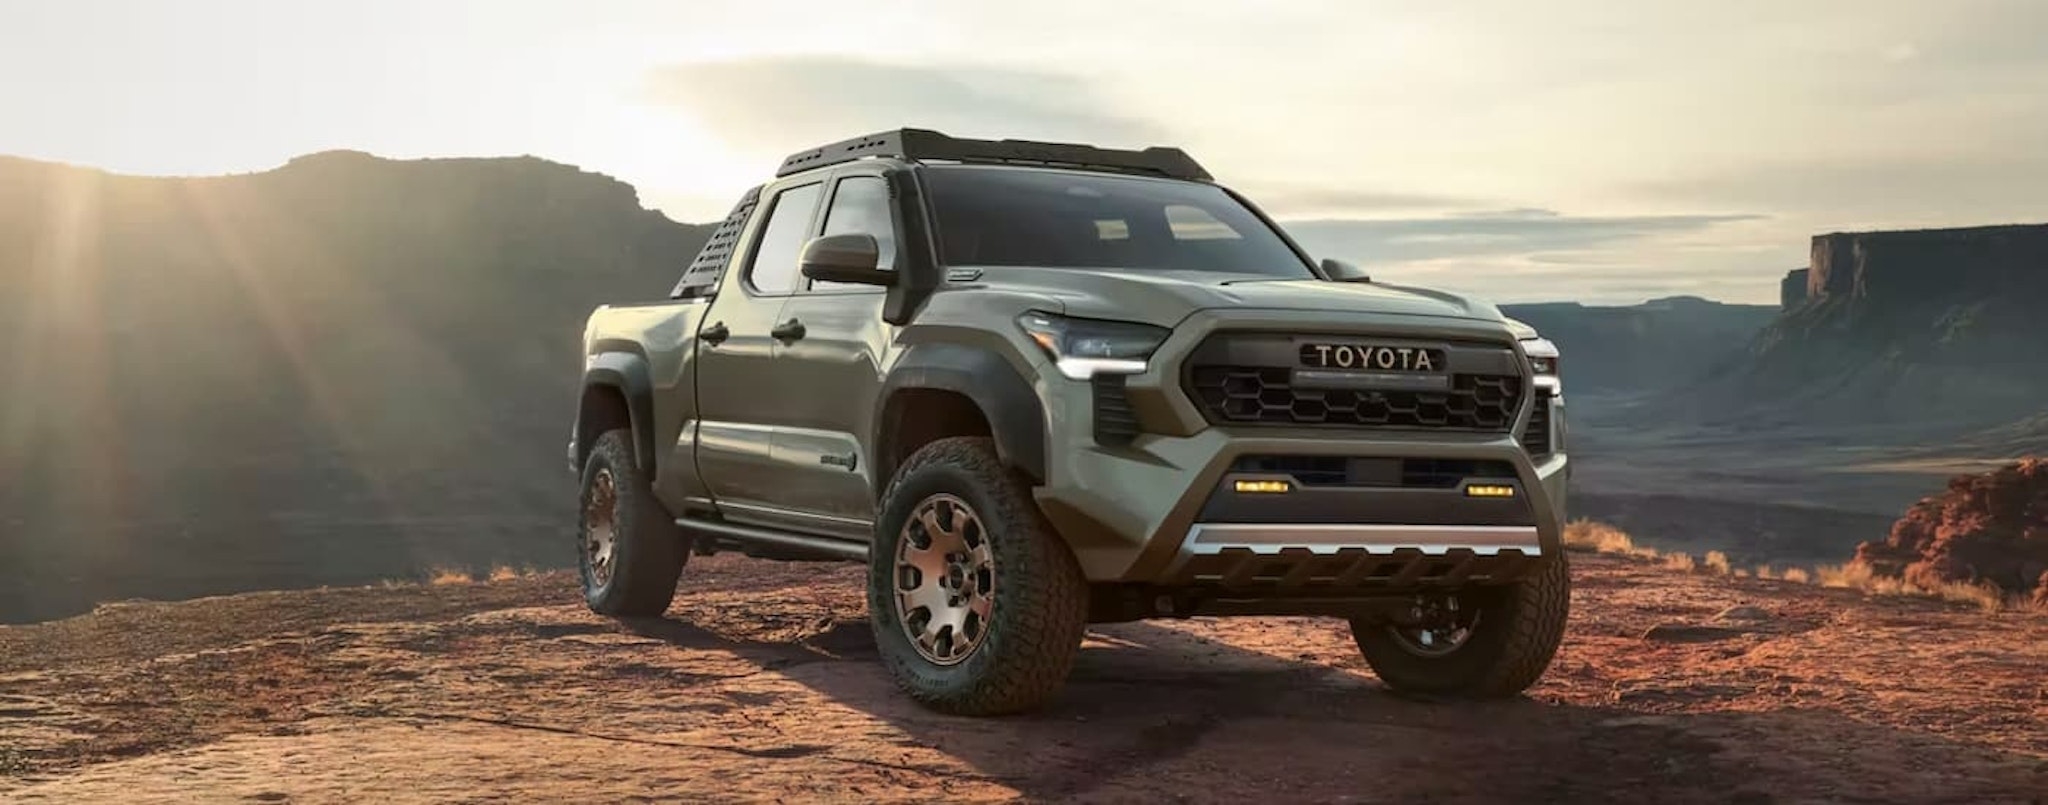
1539, 254
1528, 233
788, 103
1863, 192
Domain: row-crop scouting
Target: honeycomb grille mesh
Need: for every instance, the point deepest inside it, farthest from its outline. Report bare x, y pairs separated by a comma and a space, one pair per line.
1266, 395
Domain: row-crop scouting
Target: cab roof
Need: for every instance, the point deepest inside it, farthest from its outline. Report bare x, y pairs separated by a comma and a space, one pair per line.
918, 145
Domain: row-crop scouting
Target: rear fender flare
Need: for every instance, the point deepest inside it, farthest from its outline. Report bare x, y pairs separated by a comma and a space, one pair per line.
629, 375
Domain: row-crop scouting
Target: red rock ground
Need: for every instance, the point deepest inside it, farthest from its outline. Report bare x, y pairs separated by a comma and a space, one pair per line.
761, 685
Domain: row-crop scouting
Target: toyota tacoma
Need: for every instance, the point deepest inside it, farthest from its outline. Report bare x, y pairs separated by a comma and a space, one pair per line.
1035, 386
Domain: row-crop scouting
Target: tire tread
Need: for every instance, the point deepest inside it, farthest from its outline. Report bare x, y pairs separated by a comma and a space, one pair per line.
1041, 597
650, 553
1500, 664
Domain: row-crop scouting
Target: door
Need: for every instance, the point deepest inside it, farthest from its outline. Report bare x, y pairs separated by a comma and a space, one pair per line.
741, 394
838, 361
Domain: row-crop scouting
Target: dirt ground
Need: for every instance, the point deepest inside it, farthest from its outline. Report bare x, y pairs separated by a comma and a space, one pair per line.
761, 685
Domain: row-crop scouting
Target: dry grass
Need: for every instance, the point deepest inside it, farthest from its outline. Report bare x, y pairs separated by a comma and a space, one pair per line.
1848, 577
1587, 535
12, 762
504, 573
447, 575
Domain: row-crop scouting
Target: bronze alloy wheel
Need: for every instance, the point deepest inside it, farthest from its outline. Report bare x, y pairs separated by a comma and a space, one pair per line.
600, 526
945, 579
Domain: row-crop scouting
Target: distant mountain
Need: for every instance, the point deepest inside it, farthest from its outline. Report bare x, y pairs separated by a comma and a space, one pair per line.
1931, 328
1636, 348
344, 367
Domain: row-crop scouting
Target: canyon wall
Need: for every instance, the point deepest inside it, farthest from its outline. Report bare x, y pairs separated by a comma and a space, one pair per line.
1912, 330
1909, 268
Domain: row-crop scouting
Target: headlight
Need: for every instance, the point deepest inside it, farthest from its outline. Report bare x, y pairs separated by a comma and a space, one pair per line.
1083, 348
1542, 356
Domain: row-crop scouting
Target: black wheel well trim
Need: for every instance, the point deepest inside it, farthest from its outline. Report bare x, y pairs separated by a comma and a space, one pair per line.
626, 374
1006, 400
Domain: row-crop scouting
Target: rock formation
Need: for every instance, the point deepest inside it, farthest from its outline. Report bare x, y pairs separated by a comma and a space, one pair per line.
1990, 527
1792, 290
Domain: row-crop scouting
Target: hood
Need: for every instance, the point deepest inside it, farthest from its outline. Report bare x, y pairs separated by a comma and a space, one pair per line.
1166, 297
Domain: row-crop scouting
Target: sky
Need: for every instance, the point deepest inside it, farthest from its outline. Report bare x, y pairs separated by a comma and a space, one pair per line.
1604, 152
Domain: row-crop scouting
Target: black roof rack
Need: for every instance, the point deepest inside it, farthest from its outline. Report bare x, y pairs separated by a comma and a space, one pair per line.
921, 144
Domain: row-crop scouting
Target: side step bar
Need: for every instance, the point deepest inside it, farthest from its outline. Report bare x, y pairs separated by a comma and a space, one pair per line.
773, 544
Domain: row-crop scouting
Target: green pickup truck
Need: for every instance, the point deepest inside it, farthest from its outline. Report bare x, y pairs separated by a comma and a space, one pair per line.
1035, 386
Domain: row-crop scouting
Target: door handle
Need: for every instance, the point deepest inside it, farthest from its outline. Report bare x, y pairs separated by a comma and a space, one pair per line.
788, 331
715, 334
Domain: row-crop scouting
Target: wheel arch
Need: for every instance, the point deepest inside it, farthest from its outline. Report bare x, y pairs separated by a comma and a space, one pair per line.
945, 383
618, 391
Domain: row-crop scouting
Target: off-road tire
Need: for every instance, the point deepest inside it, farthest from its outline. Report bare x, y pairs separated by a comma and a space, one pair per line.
649, 549
1519, 628
1039, 613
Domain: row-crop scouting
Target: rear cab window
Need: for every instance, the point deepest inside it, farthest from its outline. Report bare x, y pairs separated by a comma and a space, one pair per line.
774, 267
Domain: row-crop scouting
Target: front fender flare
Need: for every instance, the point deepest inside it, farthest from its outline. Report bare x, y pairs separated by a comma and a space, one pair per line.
1016, 417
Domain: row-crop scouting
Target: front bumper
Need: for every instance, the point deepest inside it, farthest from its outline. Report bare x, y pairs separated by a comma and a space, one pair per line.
1292, 558
1147, 512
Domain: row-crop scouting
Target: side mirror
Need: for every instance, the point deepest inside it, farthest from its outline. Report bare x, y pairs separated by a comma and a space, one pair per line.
850, 258
1344, 271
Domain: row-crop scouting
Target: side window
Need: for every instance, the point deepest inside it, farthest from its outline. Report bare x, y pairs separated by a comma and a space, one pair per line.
861, 204
789, 221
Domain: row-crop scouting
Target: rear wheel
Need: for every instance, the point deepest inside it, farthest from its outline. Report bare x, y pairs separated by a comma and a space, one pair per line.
1481, 642
630, 550
977, 606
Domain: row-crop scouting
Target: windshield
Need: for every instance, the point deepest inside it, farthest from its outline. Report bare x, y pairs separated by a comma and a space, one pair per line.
997, 216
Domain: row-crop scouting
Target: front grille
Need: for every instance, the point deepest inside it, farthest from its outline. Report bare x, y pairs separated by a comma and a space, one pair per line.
1115, 422
1372, 471
1536, 438
1265, 395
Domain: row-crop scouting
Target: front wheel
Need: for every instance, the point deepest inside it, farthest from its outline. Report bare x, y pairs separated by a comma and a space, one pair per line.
977, 606
1481, 642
